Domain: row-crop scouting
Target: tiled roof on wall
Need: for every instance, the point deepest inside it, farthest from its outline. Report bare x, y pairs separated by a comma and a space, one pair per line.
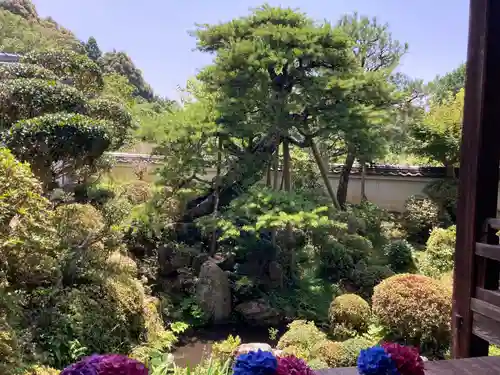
374, 170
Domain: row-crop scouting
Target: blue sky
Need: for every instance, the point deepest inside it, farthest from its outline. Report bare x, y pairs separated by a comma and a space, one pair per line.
155, 32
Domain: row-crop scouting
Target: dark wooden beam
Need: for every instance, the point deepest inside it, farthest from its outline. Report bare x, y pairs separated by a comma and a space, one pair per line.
479, 162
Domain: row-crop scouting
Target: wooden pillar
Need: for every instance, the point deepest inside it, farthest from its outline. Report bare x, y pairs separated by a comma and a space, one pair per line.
479, 172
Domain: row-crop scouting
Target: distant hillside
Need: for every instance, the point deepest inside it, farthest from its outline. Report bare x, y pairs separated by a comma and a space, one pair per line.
22, 30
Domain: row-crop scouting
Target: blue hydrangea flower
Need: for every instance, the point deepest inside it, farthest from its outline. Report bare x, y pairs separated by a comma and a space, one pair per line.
256, 363
375, 361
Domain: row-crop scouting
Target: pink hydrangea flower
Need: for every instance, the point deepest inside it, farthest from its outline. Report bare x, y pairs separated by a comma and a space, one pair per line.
109, 364
292, 365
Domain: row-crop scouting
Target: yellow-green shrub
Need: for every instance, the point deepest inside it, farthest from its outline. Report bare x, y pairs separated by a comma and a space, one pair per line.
351, 349
413, 307
98, 318
349, 315
330, 352
76, 223
438, 257
27, 252
301, 334
41, 370
137, 192
224, 350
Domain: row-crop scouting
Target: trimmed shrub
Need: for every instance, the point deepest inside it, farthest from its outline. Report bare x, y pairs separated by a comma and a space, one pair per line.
301, 337
335, 260
438, 257
399, 253
330, 352
351, 349
349, 315
137, 192
366, 276
420, 216
414, 308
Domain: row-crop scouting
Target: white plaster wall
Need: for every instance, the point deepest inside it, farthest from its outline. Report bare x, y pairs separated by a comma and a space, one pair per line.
389, 192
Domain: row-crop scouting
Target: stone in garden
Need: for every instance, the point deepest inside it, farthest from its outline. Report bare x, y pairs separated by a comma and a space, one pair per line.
213, 292
259, 313
252, 347
276, 274
225, 261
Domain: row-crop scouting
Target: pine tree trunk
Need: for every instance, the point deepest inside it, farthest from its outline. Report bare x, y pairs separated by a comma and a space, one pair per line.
276, 176
241, 175
344, 178
287, 177
213, 244
363, 183
324, 174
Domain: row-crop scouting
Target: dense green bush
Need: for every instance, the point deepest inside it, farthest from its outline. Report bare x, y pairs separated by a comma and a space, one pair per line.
399, 254
372, 217
65, 320
335, 260
420, 216
364, 277
349, 315
438, 257
414, 308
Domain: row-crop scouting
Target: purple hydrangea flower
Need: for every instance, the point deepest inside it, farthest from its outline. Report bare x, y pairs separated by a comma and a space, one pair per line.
108, 364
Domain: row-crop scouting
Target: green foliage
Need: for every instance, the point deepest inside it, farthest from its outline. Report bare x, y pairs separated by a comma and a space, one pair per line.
21, 32
415, 309
69, 139
300, 338
420, 216
440, 133
83, 73
28, 98
41, 370
27, 257
67, 317
17, 70
118, 117
121, 63
445, 193
92, 48
207, 367
351, 349
137, 192
349, 316
400, 256
366, 276
439, 253
225, 350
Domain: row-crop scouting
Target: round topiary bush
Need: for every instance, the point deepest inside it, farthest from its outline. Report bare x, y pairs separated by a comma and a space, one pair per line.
399, 253
137, 192
302, 335
414, 308
438, 257
351, 349
349, 315
330, 352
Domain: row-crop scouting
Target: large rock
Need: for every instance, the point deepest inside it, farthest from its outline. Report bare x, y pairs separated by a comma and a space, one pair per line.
225, 261
213, 292
259, 313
